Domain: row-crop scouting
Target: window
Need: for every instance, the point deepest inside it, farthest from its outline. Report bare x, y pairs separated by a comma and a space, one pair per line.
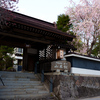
20, 50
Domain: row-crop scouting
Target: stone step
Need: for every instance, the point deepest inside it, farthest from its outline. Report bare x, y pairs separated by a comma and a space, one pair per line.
27, 96
17, 76
6, 72
24, 84
22, 87
12, 73
23, 92
0, 83
21, 82
20, 79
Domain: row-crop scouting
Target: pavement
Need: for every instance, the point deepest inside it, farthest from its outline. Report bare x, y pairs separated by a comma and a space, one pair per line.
93, 98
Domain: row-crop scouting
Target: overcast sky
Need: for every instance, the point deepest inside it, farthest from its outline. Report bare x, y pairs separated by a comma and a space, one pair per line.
46, 10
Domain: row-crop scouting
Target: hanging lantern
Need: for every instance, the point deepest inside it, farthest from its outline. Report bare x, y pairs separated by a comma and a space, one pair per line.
60, 54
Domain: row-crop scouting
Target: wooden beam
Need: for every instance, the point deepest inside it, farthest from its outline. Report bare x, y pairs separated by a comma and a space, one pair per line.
53, 30
25, 38
40, 36
26, 32
2, 37
12, 44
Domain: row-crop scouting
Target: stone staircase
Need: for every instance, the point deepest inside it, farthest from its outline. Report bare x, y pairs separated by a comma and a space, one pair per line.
22, 86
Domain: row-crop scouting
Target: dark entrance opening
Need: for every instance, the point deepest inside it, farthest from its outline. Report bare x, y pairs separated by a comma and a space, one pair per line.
31, 62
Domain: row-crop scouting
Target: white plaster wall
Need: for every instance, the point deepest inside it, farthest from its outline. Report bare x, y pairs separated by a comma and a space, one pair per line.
84, 71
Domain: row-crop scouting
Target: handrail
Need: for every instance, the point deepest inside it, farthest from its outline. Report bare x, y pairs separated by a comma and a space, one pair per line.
50, 81
47, 78
2, 81
51, 84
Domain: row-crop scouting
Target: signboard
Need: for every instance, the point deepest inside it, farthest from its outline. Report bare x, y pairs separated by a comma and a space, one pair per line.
61, 65
32, 51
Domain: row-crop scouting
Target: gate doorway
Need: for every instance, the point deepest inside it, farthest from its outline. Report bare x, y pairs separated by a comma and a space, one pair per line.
31, 62
24, 31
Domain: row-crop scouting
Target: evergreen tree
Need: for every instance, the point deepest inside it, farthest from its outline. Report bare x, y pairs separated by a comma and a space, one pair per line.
5, 57
64, 24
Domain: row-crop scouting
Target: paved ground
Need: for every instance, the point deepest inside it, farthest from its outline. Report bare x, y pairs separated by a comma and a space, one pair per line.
94, 98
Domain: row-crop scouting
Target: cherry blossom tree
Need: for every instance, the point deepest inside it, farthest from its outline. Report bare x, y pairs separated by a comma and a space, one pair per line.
9, 4
5, 7
85, 17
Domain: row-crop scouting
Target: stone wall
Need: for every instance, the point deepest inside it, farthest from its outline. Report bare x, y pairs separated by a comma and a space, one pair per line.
74, 87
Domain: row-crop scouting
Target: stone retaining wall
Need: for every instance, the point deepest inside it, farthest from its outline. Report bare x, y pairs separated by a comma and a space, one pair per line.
74, 87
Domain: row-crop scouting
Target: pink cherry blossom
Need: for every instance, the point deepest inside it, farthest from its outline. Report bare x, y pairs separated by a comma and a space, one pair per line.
85, 18
6, 14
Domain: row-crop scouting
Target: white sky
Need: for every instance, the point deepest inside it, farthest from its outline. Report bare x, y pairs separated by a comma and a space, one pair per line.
47, 10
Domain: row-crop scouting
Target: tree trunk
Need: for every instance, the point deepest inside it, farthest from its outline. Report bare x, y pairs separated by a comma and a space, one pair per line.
90, 50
